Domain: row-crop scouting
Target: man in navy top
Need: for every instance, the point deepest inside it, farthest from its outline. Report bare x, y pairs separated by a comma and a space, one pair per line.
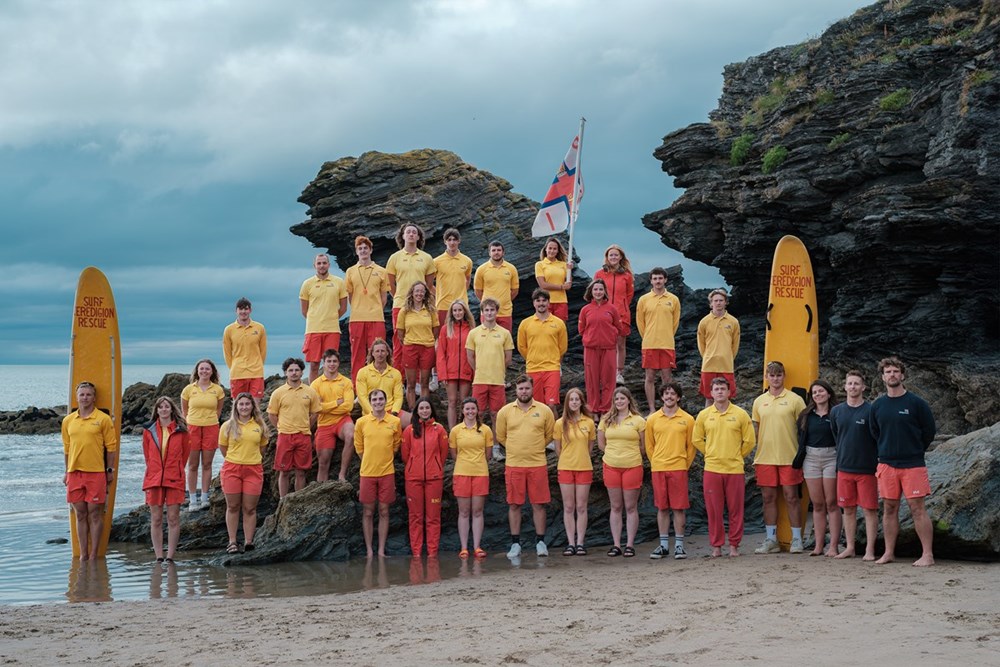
857, 458
903, 428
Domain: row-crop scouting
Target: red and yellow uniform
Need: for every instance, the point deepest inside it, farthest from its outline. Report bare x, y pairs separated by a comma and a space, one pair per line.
203, 408
323, 296
777, 430
330, 391
245, 350
390, 381
451, 283
622, 442
669, 443
418, 326
471, 476
292, 406
575, 466
553, 272
166, 451
490, 347
408, 268
621, 289
366, 286
657, 317
725, 439
718, 343
542, 343
497, 282
85, 439
452, 362
377, 441
424, 456
242, 471
525, 433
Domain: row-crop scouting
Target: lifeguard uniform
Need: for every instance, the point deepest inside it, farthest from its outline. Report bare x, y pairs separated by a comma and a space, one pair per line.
390, 381
524, 435
365, 286
452, 362
418, 338
424, 458
376, 441
575, 466
292, 407
245, 351
554, 272
203, 415
85, 441
718, 343
243, 470
543, 343
332, 417
407, 268
324, 296
621, 290
497, 282
600, 324
166, 451
671, 451
622, 457
777, 437
451, 282
489, 347
657, 317
725, 439
471, 476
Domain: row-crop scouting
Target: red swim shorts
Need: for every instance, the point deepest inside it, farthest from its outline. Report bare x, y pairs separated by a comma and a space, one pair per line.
315, 344
252, 386
158, 496
659, 359
294, 452
326, 436
855, 489
490, 397
418, 357
546, 386
527, 482
87, 487
906, 482
770, 475
670, 490
579, 477
622, 478
240, 478
381, 489
467, 486
203, 438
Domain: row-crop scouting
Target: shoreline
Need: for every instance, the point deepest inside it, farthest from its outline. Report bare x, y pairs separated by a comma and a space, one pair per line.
780, 608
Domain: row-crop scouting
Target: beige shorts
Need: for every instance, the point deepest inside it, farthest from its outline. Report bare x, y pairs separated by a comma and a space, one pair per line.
820, 463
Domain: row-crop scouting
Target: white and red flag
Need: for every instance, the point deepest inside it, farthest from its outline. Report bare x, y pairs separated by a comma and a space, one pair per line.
560, 206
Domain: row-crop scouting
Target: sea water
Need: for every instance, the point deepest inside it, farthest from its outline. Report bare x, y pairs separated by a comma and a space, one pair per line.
36, 559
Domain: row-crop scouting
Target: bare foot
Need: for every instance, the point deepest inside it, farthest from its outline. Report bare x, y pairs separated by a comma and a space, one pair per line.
846, 553
925, 561
716, 552
734, 552
341, 479
816, 552
869, 557
886, 558
381, 554
831, 552
369, 554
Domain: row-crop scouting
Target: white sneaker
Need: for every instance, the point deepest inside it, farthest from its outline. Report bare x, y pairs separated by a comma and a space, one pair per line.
769, 546
416, 388
498, 453
619, 379
541, 549
205, 504
679, 553
796, 547
433, 383
515, 551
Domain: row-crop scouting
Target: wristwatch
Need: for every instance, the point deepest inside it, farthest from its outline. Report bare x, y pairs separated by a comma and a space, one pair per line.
110, 470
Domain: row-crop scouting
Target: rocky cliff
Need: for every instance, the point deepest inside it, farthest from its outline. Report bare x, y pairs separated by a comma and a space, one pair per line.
877, 144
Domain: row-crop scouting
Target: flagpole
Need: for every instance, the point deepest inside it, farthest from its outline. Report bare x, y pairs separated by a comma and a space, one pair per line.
576, 199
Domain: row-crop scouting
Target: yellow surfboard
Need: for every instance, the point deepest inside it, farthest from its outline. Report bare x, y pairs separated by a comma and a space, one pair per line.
792, 337
95, 356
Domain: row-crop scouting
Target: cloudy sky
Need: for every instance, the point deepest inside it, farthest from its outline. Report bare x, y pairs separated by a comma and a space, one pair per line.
167, 142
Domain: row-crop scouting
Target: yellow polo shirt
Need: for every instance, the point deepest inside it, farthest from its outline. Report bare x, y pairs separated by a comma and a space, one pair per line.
323, 295
553, 272
657, 317
668, 441
489, 346
365, 286
525, 434
725, 438
376, 441
329, 392
471, 445
203, 405
497, 282
718, 343
621, 442
390, 381
245, 350
408, 269
245, 449
452, 279
293, 407
575, 450
777, 427
85, 440
542, 343
418, 326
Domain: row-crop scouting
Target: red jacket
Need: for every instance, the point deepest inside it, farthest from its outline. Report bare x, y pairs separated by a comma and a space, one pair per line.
621, 289
600, 325
424, 456
452, 362
167, 472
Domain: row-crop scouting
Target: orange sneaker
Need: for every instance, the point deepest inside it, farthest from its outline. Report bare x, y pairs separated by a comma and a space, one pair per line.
463, 554
479, 553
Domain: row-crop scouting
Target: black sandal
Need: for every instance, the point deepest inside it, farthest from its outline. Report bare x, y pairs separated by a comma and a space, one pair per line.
233, 548
614, 551
570, 550
581, 550
159, 560
170, 561
629, 552
248, 546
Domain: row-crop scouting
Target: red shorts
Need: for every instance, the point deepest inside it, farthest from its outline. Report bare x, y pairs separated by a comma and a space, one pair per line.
578, 477
490, 397
659, 359
382, 489
560, 310
252, 386
294, 452
87, 487
241, 478
670, 490
854, 489
527, 481
507, 323
706, 383
769, 475
418, 357
546, 386
158, 496
908, 482
467, 486
326, 436
316, 344
622, 478
203, 438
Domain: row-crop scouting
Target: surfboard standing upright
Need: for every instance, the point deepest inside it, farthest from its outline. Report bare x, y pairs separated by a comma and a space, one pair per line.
792, 337
95, 356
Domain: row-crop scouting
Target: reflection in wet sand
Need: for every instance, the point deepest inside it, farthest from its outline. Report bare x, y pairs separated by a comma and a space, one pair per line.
156, 590
89, 581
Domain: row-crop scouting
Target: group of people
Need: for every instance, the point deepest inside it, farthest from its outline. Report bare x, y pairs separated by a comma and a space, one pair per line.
835, 448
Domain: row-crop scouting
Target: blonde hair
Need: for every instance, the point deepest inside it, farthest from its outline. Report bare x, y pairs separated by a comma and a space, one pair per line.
624, 266
450, 321
231, 428
583, 412
411, 305
633, 407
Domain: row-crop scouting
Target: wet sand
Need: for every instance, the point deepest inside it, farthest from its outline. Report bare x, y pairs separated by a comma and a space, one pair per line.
592, 610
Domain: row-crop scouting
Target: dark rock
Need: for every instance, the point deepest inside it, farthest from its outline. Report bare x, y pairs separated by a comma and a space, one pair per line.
32, 421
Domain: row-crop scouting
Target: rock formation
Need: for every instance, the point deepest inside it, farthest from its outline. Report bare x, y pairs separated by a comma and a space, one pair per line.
877, 144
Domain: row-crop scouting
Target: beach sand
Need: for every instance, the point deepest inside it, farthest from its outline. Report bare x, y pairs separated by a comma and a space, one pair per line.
594, 610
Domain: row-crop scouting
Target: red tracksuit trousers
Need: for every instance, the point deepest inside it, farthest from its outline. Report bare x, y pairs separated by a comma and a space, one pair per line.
423, 499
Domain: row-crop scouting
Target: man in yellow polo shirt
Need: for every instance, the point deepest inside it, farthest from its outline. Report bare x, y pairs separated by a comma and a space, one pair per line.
336, 395
378, 374
292, 409
408, 265
377, 437
775, 417
657, 316
323, 299
718, 343
671, 452
497, 279
524, 428
454, 274
542, 341
367, 285
489, 348
244, 346
89, 446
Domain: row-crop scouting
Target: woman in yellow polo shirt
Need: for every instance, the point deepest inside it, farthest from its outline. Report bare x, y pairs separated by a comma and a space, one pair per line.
621, 436
201, 406
417, 326
470, 441
553, 271
242, 438
574, 435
